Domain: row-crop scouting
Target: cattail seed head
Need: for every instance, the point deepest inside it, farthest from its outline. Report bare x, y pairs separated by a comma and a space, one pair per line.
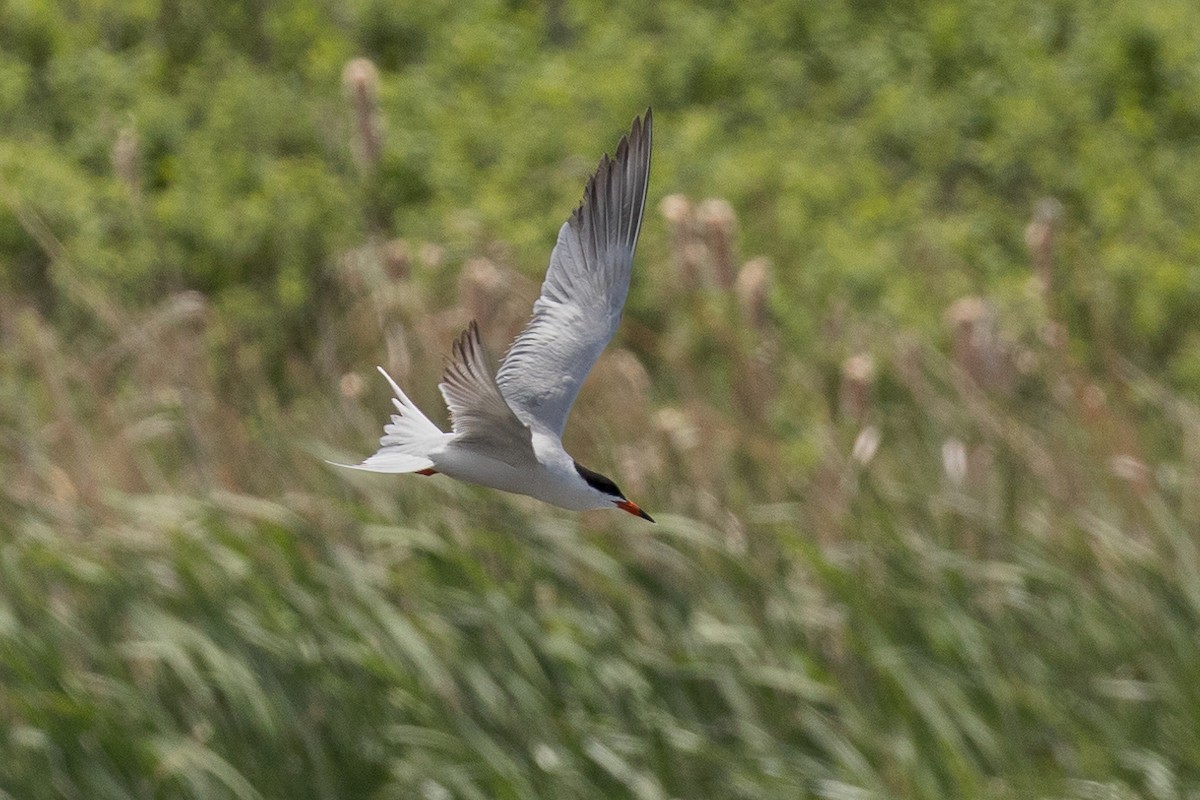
481, 290
752, 288
361, 81
397, 261
126, 159
399, 356
432, 255
718, 224
677, 211
1039, 240
689, 254
978, 348
352, 385
858, 376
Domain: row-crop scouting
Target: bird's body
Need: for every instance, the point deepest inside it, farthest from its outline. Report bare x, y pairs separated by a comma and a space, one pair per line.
508, 424
552, 479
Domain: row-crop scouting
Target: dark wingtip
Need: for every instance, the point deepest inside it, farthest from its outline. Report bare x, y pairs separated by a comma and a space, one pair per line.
638, 130
459, 348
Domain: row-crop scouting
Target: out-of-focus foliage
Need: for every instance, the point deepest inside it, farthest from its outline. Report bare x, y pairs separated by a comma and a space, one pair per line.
877, 152
914, 404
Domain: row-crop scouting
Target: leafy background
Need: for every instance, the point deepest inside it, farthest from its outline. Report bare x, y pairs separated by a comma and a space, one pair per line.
907, 375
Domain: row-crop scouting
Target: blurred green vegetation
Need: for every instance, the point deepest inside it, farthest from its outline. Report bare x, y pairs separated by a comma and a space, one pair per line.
913, 401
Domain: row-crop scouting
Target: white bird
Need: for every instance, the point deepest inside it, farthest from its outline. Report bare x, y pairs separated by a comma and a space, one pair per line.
507, 425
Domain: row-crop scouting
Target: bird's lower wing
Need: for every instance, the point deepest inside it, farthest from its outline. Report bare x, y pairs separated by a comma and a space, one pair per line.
481, 417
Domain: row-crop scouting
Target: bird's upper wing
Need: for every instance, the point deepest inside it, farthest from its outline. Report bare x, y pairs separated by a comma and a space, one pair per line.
478, 412
584, 291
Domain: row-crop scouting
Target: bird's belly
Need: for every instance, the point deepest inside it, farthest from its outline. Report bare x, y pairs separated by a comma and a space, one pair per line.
485, 471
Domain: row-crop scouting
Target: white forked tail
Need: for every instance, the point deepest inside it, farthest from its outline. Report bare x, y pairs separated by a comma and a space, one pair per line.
407, 441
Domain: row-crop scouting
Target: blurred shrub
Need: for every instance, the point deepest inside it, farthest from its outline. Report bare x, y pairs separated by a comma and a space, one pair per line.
874, 152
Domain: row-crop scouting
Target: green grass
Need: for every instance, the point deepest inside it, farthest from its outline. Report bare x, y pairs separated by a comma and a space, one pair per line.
926, 471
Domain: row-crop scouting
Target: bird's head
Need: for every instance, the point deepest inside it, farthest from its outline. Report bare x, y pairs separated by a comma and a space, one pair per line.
606, 487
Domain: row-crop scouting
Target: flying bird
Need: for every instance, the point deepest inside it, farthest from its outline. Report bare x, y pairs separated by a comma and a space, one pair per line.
507, 424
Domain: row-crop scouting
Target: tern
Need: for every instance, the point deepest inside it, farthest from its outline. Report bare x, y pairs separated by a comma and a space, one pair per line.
507, 424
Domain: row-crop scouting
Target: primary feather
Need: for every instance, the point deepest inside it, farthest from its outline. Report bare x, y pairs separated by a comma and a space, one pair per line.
478, 412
